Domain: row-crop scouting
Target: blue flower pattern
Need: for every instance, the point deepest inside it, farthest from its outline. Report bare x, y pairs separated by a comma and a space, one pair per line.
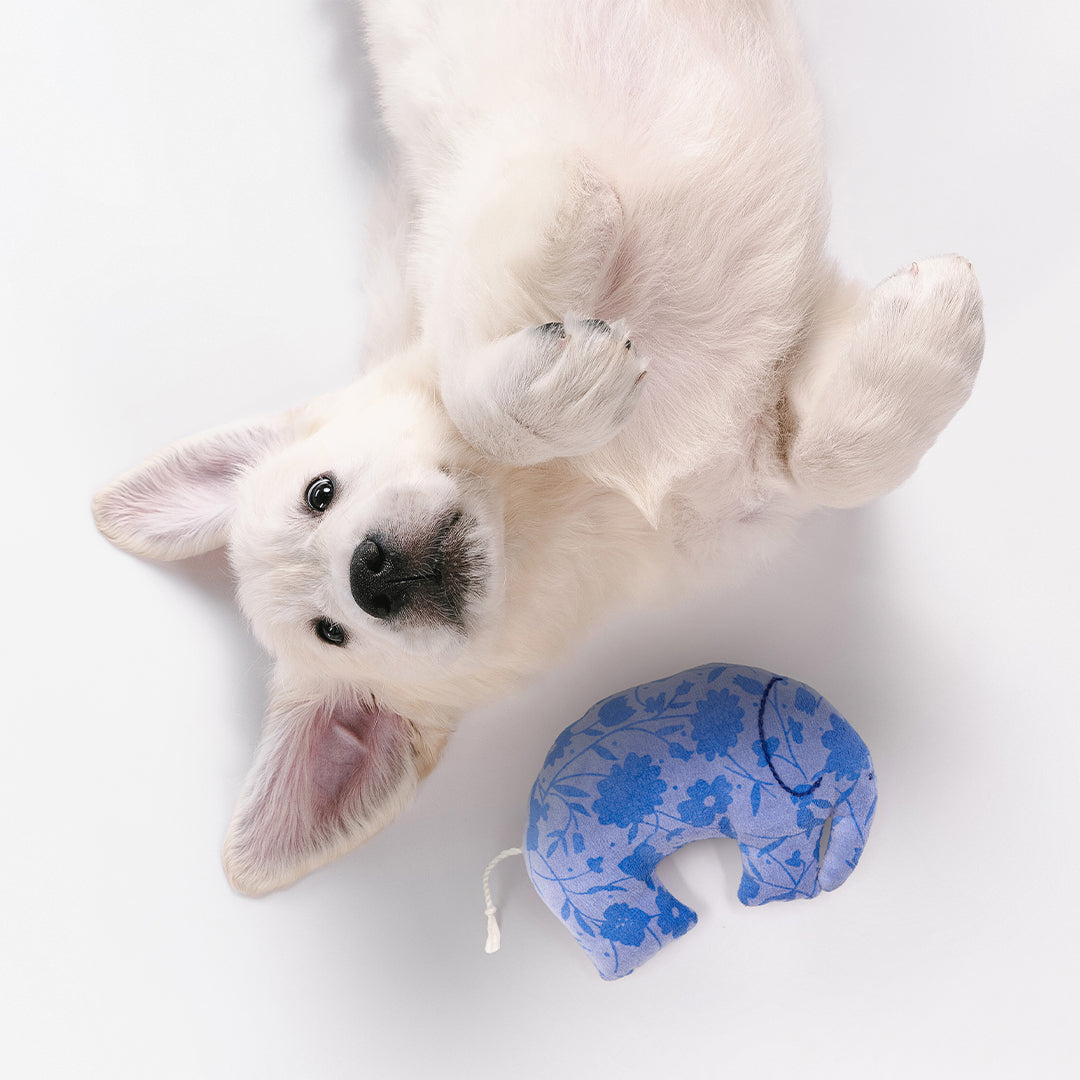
630, 792
715, 751
706, 801
717, 723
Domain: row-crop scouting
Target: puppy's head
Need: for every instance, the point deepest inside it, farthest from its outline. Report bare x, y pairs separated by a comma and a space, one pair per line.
367, 544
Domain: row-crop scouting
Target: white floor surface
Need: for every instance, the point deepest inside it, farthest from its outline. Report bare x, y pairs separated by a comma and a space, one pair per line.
182, 192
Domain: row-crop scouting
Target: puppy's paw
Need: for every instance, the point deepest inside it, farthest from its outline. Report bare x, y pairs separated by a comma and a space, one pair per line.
558, 390
911, 362
927, 325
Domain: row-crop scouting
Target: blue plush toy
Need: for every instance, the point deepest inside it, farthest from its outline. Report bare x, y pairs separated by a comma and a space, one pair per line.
716, 751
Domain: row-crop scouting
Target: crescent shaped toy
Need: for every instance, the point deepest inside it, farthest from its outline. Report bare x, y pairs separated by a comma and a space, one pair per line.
719, 750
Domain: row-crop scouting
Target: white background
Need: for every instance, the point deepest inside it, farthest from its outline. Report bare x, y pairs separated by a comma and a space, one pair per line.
183, 190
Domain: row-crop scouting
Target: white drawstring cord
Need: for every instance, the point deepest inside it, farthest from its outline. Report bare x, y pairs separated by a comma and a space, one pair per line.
493, 938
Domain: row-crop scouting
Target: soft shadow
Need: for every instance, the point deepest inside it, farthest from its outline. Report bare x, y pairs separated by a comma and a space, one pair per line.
209, 575
352, 68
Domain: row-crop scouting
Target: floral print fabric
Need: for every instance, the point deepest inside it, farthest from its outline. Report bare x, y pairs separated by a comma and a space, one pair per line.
716, 751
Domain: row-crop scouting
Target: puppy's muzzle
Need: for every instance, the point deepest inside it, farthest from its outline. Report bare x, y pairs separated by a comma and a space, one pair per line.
421, 576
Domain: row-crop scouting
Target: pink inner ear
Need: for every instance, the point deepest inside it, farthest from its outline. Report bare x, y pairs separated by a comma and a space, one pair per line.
179, 502
326, 777
192, 499
351, 751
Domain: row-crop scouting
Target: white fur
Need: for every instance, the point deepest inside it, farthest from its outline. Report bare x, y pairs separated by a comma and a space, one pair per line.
655, 164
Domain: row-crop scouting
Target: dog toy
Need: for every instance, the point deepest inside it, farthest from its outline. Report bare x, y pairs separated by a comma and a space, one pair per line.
716, 751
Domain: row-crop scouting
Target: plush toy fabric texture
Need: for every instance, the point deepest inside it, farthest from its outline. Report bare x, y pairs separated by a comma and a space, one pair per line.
715, 751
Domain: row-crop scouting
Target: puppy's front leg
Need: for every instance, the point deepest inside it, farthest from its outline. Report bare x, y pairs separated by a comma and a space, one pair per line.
880, 377
560, 389
523, 381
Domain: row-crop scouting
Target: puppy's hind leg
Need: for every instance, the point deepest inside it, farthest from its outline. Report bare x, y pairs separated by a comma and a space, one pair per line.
880, 377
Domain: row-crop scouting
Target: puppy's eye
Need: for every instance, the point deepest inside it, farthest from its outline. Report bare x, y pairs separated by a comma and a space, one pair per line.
330, 632
319, 493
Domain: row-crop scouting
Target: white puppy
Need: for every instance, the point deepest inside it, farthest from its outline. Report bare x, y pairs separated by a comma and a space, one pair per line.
613, 357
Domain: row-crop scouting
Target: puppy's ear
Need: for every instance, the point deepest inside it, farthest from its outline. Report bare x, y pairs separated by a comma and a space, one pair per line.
331, 770
178, 503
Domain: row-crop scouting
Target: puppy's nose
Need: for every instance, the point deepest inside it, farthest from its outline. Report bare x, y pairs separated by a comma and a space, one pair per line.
382, 580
